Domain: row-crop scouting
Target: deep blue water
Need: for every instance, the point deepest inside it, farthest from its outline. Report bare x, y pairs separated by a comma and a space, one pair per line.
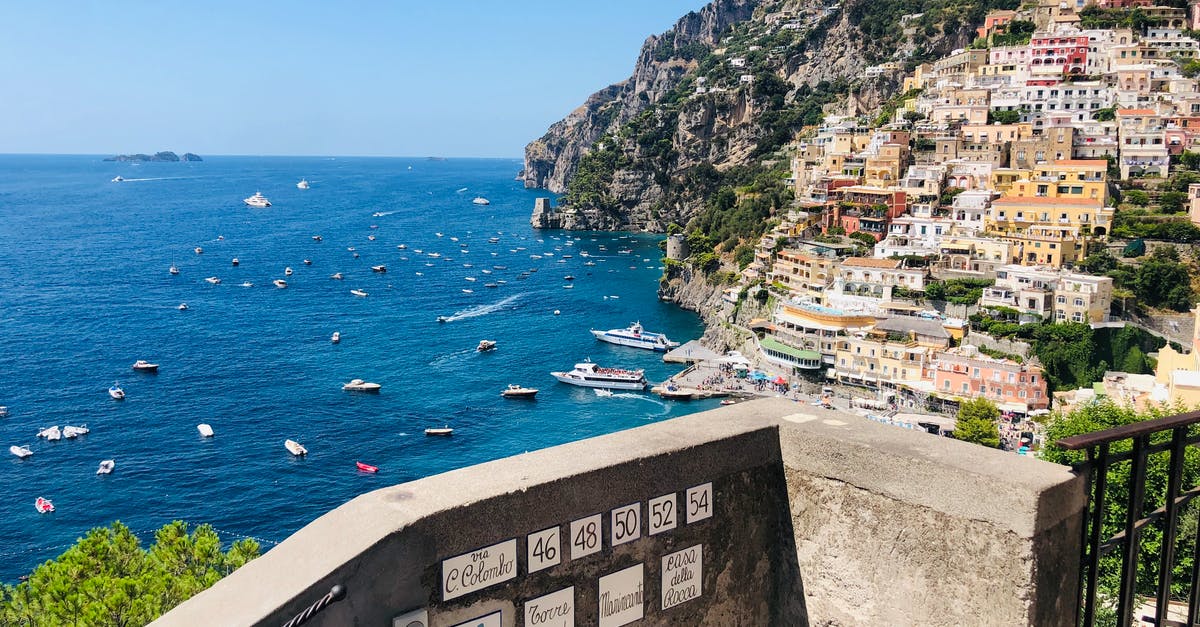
84, 292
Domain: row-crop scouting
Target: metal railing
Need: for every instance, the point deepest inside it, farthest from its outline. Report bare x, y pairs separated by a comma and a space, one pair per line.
335, 594
1135, 444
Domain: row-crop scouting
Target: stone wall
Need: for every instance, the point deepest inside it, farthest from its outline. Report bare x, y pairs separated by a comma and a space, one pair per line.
792, 518
1012, 347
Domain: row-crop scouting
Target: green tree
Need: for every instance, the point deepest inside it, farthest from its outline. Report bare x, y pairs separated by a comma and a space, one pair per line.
1005, 117
106, 578
977, 422
1136, 197
1172, 202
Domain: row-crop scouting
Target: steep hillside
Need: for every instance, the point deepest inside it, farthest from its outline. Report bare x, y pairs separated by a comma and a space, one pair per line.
713, 99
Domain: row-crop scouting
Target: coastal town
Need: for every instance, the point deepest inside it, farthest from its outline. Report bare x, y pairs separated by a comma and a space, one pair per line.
1000, 189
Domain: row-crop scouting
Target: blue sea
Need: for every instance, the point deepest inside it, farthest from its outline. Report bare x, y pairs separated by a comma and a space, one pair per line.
85, 291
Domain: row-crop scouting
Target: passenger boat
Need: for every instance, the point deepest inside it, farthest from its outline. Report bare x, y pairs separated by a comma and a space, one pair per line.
358, 385
366, 467
442, 431
106, 467
303, 184
379, 268
359, 293
71, 432
173, 269
280, 283
515, 391
116, 392
43, 505
588, 374
336, 337
257, 200
142, 365
485, 345
295, 448
636, 337
205, 430
213, 280
20, 451
480, 200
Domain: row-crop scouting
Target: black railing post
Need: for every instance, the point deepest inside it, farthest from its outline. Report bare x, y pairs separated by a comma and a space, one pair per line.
1129, 558
1094, 532
1170, 515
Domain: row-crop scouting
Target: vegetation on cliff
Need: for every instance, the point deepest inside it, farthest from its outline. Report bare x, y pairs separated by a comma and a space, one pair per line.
165, 155
107, 578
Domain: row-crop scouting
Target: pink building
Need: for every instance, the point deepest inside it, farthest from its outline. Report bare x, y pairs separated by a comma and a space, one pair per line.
966, 373
1065, 54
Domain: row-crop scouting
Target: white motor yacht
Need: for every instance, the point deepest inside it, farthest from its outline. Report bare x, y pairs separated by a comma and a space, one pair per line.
142, 365
257, 200
480, 200
280, 283
358, 385
213, 280
303, 184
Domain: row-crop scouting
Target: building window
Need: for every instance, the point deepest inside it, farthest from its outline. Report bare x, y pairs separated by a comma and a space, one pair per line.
1079, 302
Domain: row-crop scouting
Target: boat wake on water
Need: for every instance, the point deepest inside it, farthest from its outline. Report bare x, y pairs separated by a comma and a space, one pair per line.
483, 310
380, 214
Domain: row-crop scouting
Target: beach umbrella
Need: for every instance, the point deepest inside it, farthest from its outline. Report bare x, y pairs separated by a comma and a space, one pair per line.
780, 380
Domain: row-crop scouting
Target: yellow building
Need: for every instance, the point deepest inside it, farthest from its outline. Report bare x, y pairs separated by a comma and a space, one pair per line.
1048, 230
873, 361
1003, 179
1072, 178
884, 168
803, 274
1180, 372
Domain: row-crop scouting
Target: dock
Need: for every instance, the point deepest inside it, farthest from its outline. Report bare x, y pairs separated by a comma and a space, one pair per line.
690, 353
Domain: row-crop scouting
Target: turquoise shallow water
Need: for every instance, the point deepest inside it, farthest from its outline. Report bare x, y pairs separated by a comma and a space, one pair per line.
84, 292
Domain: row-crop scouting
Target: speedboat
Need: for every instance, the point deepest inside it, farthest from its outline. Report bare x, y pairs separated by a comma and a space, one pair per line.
636, 337
247, 284
336, 337
213, 280
295, 448
199, 251
480, 200
3, 411
337, 276
205, 429
280, 283
118, 178
303, 184
588, 374
106, 467
43, 505
466, 291
358, 293
491, 285
358, 385
317, 238
402, 246
235, 261
515, 391
257, 200
142, 365
370, 238
486, 345
469, 278
442, 431
308, 262
379, 268
71, 432
173, 269
366, 467
288, 271
569, 278
443, 319
50, 433
182, 306
116, 392
20, 451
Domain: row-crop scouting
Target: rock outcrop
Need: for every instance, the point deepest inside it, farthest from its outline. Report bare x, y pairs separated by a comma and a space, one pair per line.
165, 155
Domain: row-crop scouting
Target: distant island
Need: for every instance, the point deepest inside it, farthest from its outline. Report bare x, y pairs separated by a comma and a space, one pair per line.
158, 156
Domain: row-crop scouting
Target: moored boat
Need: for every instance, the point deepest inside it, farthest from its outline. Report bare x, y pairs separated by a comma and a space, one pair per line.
480, 200
366, 467
235, 261
71, 432
205, 430
336, 276
116, 392
43, 505
379, 268
303, 184
106, 467
280, 283
295, 448
359, 293
257, 200
358, 385
199, 251
486, 345
213, 280
288, 271
142, 365
182, 307
20, 451
636, 337
336, 337
516, 391
446, 430
50, 433
173, 269
588, 374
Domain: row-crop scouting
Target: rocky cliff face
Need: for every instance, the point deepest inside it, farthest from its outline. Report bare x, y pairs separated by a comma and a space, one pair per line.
724, 88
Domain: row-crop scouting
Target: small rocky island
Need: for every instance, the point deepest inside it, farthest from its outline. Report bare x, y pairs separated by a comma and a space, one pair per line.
158, 156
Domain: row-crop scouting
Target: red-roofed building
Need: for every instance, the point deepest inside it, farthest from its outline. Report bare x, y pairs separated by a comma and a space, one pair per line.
1058, 54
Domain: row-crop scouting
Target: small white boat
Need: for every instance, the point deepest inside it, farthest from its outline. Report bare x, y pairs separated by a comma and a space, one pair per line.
371, 238
337, 276
308, 262
51, 434
336, 337
469, 278
359, 293
43, 505
71, 432
280, 283
235, 261
288, 271
174, 269
295, 448
515, 391
116, 392
402, 246
247, 284
118, 178
213, 280
317, 238
486, 345
182, 306
446, 430
257, 200
20, 451
142, 365
205, 429
379, 268
468, 291
106, 467
303, 184
480, 200
3, 411
602, 392
199, 251
358, 385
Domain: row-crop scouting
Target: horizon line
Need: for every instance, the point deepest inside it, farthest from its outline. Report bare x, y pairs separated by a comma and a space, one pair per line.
106, 154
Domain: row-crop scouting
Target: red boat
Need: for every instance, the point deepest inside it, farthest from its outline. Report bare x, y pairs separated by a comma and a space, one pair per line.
366, 467
43, 505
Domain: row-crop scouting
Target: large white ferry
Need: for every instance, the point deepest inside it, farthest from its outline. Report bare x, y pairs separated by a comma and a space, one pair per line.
590, 375
257, 200
636, 337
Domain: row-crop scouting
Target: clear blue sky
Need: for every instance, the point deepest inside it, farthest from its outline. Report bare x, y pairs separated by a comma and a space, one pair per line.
476, 78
